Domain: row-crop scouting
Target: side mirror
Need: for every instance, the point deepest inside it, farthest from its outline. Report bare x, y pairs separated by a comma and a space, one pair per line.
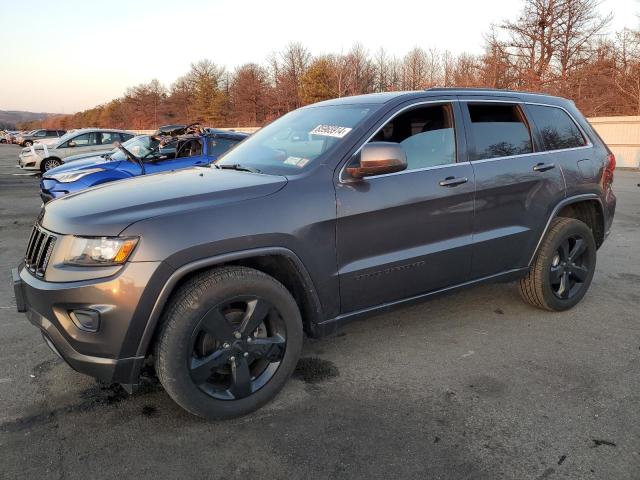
377, 158
71, 143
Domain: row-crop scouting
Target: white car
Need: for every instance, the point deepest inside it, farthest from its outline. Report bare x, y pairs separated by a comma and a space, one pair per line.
44, 157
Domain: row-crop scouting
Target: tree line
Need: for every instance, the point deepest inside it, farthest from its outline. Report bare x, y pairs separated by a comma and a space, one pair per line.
560, 47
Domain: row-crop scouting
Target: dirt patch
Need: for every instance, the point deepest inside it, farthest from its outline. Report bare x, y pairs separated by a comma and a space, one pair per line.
315, 370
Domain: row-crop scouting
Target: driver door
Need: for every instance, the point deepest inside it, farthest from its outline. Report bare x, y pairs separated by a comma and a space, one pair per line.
408, 233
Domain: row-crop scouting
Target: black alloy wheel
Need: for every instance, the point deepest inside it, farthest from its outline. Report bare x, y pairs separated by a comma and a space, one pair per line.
237, 347
563, 267
569, 267
229, 339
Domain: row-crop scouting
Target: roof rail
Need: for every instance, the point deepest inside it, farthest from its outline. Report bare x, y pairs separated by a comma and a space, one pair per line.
483, 89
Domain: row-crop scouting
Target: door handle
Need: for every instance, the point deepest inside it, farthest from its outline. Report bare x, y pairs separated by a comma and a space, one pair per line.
543, 167
453, 181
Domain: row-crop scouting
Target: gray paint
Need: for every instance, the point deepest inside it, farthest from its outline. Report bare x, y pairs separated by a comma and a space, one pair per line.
361, 246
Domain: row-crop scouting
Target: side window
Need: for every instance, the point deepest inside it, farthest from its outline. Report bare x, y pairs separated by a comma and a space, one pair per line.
125, 136
40, 133
107, 138
498, 130
218, 146
52, 133
189, 148
426, 134
85, 140
556, 128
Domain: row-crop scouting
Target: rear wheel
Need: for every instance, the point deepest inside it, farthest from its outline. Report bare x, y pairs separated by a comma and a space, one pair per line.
563, 268
230, 339
49, 163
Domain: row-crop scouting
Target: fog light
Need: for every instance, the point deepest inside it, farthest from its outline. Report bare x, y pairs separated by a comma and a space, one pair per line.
87, 320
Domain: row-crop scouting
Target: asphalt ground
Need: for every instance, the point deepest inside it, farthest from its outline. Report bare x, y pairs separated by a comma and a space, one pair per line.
475, 385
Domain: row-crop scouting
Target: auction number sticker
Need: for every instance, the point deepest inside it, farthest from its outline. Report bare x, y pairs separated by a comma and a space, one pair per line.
296, 161
330, 131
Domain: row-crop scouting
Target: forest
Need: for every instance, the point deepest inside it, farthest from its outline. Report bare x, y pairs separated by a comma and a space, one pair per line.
559, 47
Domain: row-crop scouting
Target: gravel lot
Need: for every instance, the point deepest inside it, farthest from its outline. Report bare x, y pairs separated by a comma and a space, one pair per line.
475, 385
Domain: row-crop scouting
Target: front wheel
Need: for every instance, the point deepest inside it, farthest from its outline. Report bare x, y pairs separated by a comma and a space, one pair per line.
50, 163
27, 143
563, 267
230, 339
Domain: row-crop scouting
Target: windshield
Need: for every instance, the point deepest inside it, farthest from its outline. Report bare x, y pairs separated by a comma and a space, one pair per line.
297, 140
141, 147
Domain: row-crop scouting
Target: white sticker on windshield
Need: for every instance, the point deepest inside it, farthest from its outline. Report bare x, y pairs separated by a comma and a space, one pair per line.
296, 161
330, 131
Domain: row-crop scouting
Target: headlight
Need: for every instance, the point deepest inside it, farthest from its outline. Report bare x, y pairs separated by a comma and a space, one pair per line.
100, 251
68, 177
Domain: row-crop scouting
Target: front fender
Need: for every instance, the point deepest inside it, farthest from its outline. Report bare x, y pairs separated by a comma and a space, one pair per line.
161, 289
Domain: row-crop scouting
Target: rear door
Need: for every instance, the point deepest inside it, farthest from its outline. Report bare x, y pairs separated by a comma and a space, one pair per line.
107, 140
408, 233
568, 147
515, 185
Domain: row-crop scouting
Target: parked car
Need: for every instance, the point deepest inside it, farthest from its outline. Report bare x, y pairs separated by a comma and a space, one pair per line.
46, 157
29, 138
334, 211
9, 136
148, 155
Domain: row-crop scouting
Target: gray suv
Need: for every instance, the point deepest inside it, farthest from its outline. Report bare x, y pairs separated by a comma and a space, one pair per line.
335, 211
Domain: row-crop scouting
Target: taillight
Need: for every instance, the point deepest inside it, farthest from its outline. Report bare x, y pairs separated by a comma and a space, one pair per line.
610, 166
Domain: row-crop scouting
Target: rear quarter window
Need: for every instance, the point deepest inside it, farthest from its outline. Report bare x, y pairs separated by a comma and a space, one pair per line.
557, 130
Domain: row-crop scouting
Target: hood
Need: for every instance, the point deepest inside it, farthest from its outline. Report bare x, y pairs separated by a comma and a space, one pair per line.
89, 162
79, 156
109, 208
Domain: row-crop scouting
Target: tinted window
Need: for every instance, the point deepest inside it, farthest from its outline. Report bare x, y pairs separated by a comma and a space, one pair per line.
52, 133
217, 146
556, 128
426, 134
40, 133
499, 131
126, 136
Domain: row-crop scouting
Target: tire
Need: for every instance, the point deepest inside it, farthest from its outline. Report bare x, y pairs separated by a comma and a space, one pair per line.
49, 163
205, 350
27, 143
563, 267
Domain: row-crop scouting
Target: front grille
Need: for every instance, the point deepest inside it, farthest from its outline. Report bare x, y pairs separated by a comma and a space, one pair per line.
39, 250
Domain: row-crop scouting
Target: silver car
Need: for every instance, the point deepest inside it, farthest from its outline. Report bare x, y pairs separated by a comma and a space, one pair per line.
45, 157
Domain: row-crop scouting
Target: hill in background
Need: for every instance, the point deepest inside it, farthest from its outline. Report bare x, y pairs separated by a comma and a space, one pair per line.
10, 118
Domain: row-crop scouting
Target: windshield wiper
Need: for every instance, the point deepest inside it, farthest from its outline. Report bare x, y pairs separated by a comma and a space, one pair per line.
238, 167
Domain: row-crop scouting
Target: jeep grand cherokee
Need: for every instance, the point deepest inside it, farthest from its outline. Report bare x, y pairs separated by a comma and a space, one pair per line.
335, 211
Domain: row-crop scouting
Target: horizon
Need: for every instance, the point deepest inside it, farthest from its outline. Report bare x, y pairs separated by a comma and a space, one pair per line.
39, 77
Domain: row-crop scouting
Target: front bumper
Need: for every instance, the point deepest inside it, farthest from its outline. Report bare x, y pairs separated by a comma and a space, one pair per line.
29, 162
109, 353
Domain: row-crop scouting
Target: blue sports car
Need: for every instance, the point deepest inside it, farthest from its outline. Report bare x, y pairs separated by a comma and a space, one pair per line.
141, 155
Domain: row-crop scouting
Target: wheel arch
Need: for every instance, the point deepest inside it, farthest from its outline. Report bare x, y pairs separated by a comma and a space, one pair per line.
50, 157
587, 208
278, 262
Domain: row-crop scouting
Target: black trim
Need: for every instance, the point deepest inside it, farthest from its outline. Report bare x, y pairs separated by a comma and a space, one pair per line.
180, 273
330, 326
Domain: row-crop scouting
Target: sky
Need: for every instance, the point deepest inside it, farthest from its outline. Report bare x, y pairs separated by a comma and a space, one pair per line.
63, 56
